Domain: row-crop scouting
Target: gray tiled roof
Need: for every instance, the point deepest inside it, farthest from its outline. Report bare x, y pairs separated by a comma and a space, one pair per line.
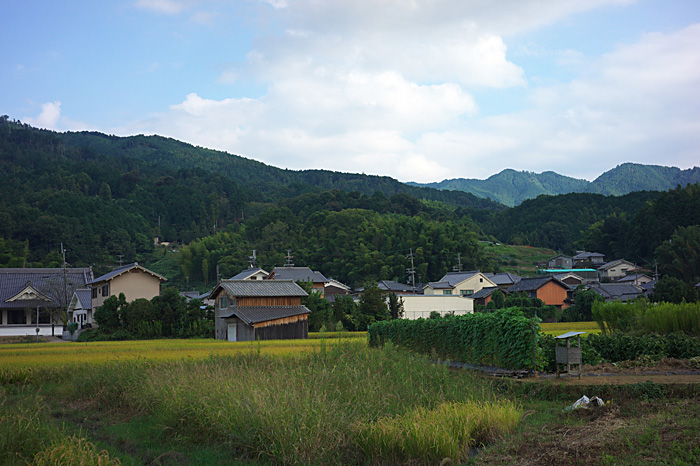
440, 285
612, 264
583, 255
260, 288
256, 314
616, 291
247, 273
48, 282
532, 284
633, 277
484, 292
455, 278
503, 278
390, 285
85, 298
123, 269
298, 274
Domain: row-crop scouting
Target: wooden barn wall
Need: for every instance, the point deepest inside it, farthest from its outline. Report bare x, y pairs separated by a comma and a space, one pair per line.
269, 301
282, 321
299, 329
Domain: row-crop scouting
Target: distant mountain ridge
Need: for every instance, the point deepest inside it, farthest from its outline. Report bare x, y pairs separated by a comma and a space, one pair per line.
512, 187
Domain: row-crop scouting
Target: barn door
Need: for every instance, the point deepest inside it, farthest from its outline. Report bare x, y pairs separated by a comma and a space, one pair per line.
232, 332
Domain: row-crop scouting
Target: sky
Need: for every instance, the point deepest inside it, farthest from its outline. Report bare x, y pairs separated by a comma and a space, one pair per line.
418, 90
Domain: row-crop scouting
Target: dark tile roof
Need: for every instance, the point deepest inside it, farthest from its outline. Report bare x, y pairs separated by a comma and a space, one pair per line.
534, 283
583, 255
617, 291
123, 269
633, 277
85, 298
484, 292
440, 285
48, 282
247, 273
390, 285
298, 274
611, 264
260, 288
503, 278
256, 314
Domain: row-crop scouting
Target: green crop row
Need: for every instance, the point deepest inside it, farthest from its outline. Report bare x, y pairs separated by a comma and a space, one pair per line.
503, 338
644, 317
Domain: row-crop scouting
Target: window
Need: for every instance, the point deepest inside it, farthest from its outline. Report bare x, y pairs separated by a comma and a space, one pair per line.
94, 293
105, 290
223, 302
467, 292
16, 316
446, 291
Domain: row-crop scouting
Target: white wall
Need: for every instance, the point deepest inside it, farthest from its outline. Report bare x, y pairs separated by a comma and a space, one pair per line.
417, 306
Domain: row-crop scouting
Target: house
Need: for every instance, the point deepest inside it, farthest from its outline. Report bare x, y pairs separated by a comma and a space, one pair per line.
585, 258
335, 288
616, 269
503, 280
636, 279
300, 274
133, 280
247, 310
484, 295
80, 308
24, 292
252, 273
560, 262
617, 291
421, 306
551, 291
569, 278
458, 284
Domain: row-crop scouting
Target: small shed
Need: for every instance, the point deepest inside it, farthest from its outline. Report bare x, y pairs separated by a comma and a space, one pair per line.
568, 354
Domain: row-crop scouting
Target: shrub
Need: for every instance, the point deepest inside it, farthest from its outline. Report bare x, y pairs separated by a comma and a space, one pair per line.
625, 347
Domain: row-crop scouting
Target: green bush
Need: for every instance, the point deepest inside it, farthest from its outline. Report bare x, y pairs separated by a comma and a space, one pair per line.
626, 347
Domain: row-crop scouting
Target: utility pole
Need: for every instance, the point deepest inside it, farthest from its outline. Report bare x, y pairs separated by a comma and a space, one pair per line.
65, 289
120, 259
218, 275
411, 271
458, 267
289, 258
251, 260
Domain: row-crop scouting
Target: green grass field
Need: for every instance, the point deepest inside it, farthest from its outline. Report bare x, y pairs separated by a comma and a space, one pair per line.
559, 328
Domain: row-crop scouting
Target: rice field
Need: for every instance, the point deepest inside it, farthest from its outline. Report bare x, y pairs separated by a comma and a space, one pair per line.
331, 404
559, 328
69, 353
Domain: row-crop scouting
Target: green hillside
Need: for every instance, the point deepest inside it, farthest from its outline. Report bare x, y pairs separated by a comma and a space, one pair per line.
511, 187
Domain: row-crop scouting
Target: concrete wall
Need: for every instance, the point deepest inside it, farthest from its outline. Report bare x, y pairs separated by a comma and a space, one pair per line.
417, 306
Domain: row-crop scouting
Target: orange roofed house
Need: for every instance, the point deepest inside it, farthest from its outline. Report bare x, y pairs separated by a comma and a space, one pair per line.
551, 291
133, 280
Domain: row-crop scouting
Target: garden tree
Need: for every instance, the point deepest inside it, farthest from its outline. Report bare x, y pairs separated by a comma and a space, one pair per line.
345, 311
395, 306
680, 256
671, 290
321, 311
582, 309
169, 306
498, 299
372, 307
132, 314
108, 316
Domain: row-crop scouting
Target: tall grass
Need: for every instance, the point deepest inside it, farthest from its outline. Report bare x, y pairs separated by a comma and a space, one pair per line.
311, 409
644, 317
73, 451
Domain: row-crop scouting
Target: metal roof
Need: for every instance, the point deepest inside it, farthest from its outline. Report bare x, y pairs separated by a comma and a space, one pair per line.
455, 278
247, 273
390, 285
504, 278
260, 288
48, 282
568, 335
123, 269
439, 285
257, 314
298, 274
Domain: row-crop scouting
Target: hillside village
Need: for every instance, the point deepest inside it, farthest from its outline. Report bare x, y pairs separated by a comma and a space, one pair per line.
259, 304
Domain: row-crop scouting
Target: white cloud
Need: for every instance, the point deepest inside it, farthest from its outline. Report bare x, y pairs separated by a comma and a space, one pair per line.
169, 7
49, 116
387, 87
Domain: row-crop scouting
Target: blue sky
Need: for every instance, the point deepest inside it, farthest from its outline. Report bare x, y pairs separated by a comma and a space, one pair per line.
420, 90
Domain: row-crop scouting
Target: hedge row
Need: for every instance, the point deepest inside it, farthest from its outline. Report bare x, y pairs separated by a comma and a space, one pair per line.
502, 338
625, 347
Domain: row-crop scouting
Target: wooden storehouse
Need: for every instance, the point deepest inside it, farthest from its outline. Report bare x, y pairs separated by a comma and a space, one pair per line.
249, 310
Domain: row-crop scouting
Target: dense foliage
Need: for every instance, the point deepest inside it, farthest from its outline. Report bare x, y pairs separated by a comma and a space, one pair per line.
626, 347
502, 338
643, 317
165, 316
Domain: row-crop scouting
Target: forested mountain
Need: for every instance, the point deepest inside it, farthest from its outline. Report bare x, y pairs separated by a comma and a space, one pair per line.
511, 187
106, 198
270, 183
